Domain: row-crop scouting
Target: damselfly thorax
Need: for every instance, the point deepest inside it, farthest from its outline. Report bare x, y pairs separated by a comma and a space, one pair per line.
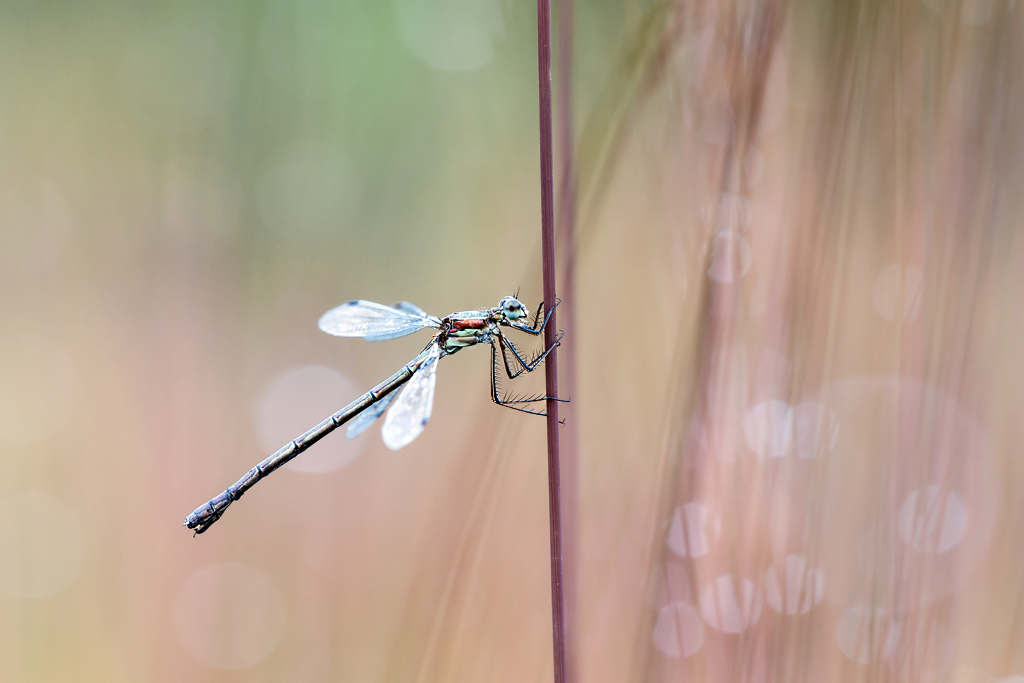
468, 328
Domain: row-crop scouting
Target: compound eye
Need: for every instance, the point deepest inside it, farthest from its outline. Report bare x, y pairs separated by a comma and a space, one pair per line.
511, 307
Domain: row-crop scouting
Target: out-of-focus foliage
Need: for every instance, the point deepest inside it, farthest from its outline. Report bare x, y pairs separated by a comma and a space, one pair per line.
797, 341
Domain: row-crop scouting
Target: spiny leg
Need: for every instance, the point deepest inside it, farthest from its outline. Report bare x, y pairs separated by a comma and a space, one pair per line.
505, 400
504, 357
535, 329
525, 365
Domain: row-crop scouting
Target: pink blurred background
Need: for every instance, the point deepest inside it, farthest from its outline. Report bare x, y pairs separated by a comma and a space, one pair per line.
798, 281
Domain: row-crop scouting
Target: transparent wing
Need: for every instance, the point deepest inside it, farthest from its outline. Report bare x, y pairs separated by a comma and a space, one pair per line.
374, 322
364, 419
411, 309
411, 411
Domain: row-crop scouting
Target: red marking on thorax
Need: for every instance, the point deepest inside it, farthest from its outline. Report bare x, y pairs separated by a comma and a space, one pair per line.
469, 324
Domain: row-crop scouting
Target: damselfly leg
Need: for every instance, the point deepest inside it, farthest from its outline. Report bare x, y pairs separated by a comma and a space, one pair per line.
509, 401
524, 365
535, 329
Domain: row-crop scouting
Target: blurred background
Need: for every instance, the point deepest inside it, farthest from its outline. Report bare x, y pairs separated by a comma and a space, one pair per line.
794, 290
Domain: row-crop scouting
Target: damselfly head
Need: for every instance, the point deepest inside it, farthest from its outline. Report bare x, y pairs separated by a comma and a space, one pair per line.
512, 308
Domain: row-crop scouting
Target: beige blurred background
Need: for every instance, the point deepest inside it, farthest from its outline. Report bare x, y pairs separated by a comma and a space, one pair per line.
797, 344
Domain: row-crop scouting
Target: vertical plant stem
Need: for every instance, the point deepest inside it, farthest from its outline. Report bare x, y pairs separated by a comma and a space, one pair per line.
566, 229
547, 201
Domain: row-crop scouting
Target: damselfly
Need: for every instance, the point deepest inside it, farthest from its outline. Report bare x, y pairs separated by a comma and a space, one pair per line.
411, 409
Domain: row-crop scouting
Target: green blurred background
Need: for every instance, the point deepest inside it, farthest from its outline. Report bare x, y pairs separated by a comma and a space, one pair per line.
793, 443
184, 188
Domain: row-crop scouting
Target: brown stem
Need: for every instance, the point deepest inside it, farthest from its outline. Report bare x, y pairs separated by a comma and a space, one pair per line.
547, 201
